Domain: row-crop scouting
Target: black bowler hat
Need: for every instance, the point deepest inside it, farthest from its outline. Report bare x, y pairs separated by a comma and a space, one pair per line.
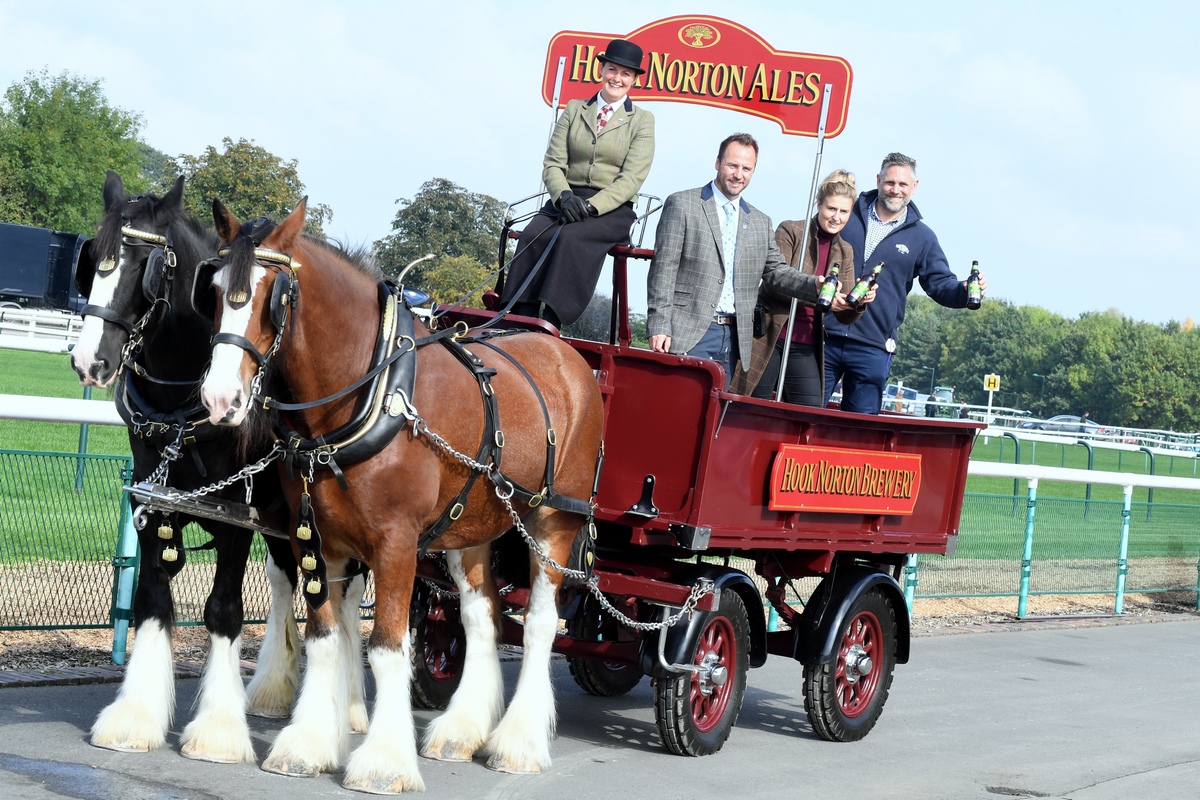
625, 53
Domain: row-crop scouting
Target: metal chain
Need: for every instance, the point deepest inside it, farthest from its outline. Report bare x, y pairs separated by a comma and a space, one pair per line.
702, 587
245, 474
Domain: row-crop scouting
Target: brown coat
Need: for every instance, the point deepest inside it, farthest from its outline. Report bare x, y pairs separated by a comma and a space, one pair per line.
788, 236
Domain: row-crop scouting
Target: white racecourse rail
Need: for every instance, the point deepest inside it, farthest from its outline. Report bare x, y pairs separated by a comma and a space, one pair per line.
46, 330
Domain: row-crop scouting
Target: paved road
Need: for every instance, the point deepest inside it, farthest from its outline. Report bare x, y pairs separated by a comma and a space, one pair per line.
1081, 713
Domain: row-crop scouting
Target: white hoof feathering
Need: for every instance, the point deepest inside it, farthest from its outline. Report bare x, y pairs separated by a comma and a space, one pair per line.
318, 736
521, 742
137, 720
463, 728
386, 762
272, 690
219, 731
350, 627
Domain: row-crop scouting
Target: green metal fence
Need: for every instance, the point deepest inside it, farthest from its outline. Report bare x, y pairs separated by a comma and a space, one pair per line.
61, 518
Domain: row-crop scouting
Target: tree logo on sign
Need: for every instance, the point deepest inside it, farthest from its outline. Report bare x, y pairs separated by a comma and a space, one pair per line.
695, 34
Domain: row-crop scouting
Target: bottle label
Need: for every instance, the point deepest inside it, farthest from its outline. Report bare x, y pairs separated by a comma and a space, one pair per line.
827, 290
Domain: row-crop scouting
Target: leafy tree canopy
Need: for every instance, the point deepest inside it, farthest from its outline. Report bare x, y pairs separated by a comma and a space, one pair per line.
249, 180
58, 135
446, 220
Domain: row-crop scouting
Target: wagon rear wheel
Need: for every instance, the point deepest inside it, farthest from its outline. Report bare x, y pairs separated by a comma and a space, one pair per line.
844, 699
696, 711
596, 677
439, 646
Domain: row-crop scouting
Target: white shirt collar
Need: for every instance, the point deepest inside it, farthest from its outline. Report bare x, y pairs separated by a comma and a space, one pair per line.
601, 102
720, 196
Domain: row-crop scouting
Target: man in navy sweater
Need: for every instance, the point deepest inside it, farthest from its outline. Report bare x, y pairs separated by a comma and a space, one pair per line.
885, 226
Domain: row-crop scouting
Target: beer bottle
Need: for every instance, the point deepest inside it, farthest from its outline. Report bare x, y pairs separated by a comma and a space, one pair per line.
829, 287
864, 285
974, 294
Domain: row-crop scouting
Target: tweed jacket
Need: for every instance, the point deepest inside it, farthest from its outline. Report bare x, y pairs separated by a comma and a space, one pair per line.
778, 306
616, 161
688, 269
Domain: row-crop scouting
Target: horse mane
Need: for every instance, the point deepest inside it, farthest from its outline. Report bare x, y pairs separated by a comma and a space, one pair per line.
240, 260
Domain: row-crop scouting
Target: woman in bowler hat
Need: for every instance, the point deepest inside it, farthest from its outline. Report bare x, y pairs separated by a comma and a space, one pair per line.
598, 157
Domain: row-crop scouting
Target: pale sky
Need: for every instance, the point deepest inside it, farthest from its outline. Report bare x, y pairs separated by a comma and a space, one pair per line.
1054, 140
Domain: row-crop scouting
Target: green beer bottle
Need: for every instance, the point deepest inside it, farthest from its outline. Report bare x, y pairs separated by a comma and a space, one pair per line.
829, 287
974, 293
864, 285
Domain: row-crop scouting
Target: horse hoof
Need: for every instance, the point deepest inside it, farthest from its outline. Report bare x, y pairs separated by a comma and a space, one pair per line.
514, 767
448, 751
122, 747
269, 713
281, 766
211, 758
376, 786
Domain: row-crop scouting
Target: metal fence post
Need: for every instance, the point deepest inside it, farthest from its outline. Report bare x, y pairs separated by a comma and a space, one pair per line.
81, 464
1027, 554
125, 564
910, 580
1123, 551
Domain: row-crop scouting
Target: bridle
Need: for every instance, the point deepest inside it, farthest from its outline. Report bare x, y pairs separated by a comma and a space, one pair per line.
160, 276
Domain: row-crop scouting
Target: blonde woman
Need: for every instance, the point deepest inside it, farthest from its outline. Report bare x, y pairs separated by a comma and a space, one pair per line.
804, 383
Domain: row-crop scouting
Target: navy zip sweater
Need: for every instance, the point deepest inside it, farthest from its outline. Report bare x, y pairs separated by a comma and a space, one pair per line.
910, 252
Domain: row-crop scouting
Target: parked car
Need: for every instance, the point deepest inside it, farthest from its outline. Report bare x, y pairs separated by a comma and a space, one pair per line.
1064, 423
903, 399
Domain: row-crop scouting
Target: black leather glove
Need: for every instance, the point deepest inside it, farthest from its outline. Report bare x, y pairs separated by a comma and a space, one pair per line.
572, 207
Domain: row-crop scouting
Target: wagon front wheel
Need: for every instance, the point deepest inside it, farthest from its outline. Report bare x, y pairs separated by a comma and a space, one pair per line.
439, 647
596, 677
696, 710
845, 698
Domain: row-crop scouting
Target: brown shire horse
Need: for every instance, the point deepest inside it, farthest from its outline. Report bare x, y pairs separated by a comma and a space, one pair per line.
317, 350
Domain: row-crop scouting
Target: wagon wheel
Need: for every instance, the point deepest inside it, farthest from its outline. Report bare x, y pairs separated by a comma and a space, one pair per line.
696, 711
439, 647
844, 699
596, 677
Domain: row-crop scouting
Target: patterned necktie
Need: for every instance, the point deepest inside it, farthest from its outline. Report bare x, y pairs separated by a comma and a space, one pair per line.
729, 251
602, 120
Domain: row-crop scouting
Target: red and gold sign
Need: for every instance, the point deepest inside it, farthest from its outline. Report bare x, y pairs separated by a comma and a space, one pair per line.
713, 62
846, 481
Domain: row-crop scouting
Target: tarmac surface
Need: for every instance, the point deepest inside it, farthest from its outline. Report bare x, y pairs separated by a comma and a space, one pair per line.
1052, 711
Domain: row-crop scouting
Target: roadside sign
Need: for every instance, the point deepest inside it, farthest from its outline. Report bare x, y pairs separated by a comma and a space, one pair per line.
991, 383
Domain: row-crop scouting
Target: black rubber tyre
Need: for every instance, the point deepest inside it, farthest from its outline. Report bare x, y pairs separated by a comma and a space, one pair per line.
844, 699
439, 646
596, 677
696, 716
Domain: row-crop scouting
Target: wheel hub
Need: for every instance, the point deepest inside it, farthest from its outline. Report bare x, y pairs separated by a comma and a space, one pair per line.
858, 664
712, 673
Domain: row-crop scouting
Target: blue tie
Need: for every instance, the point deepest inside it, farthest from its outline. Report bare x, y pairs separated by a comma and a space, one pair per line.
729, 251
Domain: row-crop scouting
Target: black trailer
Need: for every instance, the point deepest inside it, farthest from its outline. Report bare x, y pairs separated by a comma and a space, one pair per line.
36, 267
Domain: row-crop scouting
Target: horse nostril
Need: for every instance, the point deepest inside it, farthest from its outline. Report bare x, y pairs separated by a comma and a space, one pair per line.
97, 368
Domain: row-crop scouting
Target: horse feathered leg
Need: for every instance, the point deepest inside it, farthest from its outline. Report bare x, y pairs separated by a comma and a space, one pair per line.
386, 761
138, 719
318, 736
521, 742
272, 690
218, 732
350, 629
462, 730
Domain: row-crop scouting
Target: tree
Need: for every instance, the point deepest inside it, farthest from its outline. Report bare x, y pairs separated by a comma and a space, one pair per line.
443, 219
249, 180
58, 135
456, 279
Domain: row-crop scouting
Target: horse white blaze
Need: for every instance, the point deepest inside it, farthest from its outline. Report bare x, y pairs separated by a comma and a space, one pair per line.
277, 676
138, 719
83, 354
479, 700
387, 759
317, 739
350, 628
224, 392
219, 731
521, 742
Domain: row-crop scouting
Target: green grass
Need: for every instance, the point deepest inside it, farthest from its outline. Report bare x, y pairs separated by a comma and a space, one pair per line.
50, 375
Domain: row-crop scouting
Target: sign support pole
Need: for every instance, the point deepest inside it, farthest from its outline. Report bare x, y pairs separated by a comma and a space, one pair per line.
808, 222
558, 82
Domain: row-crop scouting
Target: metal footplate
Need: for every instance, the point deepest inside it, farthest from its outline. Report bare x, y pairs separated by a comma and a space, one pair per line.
156, 497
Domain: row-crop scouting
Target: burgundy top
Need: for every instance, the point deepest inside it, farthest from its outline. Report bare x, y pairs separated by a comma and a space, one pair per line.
802, 325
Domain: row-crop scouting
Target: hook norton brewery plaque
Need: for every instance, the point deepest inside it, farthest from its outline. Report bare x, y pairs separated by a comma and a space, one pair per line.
714, 62
844, 481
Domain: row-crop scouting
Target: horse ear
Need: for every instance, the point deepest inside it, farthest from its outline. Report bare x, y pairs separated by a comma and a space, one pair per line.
227, 224
289, 230
174, 198
114, 190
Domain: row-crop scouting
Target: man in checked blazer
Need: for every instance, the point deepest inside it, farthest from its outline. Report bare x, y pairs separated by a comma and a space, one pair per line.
696, 305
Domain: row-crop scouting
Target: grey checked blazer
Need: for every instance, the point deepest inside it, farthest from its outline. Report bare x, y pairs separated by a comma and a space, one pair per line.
688, 269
